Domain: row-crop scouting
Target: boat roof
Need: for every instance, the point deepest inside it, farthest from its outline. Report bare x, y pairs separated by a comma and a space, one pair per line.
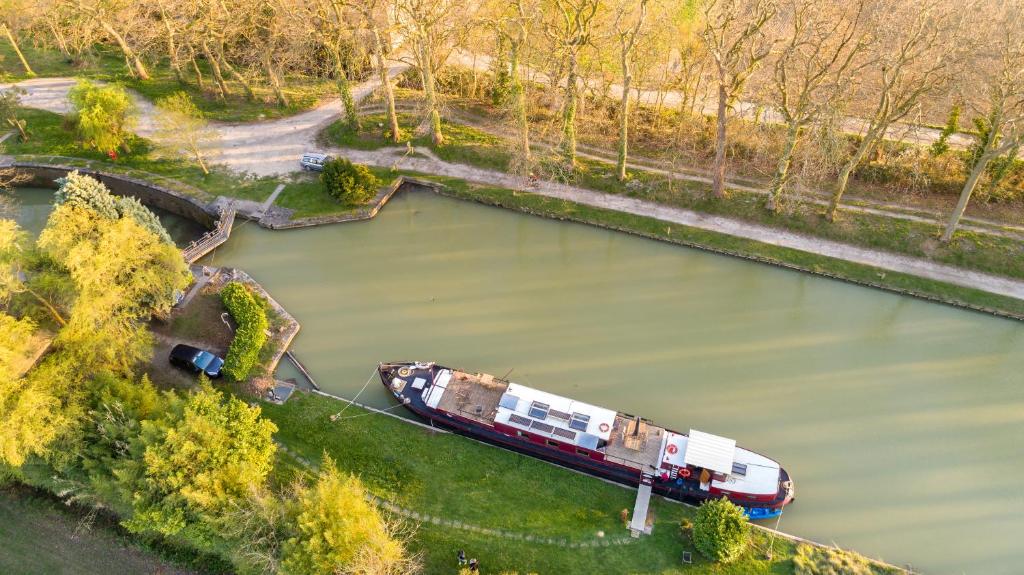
560, 418
710, 451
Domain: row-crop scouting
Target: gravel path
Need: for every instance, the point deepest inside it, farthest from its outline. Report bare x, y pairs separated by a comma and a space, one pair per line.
274, 146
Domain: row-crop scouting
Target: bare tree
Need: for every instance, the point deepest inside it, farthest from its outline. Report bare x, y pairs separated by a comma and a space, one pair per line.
371, 10
915, 44
15, 14
627, 33
818, 59
107, 13
570, 32
734, 34
1004, 118
335, 34
514, 23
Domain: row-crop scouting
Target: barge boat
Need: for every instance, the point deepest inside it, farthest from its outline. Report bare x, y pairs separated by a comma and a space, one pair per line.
627, 449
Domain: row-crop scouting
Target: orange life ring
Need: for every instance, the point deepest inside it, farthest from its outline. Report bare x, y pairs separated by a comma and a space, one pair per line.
603, 427
672, 449
684, 473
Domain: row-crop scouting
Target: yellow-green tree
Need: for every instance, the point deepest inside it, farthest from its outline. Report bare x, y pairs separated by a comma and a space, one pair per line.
122, 274
336, 530
182, 130
197, 462
104, 115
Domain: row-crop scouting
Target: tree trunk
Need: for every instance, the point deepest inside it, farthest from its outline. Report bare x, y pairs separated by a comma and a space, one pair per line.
519, 97
129, 54
781, 175
428, 87
222, 87
569, 114
345, 92
172, 49
718, 171
195, 68
385, 82
17, 50
844, 174
275, 81
250, 94
62, 43
965, 196
624, 121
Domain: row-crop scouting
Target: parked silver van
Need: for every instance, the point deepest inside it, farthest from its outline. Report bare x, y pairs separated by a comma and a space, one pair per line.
313, 161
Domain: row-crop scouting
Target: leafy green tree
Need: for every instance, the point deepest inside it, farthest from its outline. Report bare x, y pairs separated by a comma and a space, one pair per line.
720, 530
196, 462
349, 183
104, 115
15, 339
38, 410
13, 259
337, 530
182, 130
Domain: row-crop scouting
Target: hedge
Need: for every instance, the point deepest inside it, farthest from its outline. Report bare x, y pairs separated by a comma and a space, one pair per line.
250, 313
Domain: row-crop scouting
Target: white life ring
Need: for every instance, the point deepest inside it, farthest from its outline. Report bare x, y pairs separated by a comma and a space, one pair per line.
672, 449
603, 427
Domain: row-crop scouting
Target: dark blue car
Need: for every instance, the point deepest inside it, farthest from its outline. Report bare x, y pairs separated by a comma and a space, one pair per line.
196, 360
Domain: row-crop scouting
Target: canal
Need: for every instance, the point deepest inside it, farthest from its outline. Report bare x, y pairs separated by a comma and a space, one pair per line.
902, 421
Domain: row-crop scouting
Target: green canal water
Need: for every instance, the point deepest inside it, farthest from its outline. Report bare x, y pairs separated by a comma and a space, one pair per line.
901, 421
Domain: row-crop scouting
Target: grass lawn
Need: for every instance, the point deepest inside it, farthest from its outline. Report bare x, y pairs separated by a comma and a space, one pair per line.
459, 479
307, 198
49, 136
39, 536
108, 65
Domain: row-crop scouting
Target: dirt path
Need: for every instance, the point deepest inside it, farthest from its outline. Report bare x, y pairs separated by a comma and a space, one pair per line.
273, 147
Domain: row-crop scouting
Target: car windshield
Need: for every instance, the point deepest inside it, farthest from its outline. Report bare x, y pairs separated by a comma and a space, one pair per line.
202, 359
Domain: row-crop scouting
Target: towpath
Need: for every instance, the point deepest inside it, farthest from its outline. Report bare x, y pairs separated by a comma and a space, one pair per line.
273, 147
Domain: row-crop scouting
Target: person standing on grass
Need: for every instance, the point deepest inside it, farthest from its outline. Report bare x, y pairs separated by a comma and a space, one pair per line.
462, 557
474, 566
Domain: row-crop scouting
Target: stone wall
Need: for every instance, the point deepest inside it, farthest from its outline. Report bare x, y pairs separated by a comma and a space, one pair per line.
150, 194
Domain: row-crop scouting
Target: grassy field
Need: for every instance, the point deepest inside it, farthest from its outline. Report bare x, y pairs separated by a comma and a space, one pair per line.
108, 65
38, 536
455, 478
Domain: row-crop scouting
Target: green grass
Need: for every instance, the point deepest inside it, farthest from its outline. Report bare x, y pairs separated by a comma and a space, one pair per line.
38, 536
106, 64
49, 135
307, 198
455, 478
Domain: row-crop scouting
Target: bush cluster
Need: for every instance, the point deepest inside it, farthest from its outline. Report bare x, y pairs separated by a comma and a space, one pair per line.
87, 192
810, 560
250, 313
720, 530
347, 182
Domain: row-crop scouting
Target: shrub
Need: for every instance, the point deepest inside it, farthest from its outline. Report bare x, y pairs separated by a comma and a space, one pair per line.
720, 530
347, 182
810, 560
250, 313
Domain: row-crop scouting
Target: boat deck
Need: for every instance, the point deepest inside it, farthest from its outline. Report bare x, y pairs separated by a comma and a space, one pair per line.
473, 396
639, 449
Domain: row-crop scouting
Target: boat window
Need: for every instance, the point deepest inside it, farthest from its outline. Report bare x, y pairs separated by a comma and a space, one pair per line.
739, 469
582, 452
579, 421
539, 410
509, 402
552, 443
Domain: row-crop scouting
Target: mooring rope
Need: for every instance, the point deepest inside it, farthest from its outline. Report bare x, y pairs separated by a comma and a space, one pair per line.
336, 416
373, 412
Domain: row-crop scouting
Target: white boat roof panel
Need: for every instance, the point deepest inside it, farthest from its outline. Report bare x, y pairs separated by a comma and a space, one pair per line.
586, 432
710, 451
